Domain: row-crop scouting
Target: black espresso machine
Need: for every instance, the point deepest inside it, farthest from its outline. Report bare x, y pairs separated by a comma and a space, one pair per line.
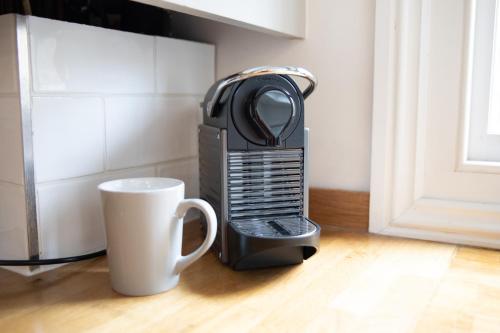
253, 154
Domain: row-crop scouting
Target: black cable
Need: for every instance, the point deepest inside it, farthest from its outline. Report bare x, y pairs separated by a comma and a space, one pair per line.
39, 262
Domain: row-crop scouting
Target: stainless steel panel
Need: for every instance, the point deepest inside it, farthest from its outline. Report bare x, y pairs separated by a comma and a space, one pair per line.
264, 193
267, 212
213, 179
280, 198
273, 154
257, 206
265, 159
224, 255
263, 166
268, 181
265, 184
245, 187
306, 172
264, 174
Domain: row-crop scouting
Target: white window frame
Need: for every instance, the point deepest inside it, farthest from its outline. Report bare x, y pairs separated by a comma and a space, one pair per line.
494, 105
398, 205
481, 150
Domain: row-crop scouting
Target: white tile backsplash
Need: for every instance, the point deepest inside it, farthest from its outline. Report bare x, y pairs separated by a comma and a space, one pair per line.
149, 171
185, 170
69, 57
106, 105
8, 61
175, 134
11, 145
125, 130
68, 137
71, 220
148, 130
184, 67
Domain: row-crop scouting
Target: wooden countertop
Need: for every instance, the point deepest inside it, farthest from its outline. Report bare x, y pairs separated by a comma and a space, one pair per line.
356, 283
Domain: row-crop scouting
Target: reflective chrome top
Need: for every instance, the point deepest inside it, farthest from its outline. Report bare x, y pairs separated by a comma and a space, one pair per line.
260, 71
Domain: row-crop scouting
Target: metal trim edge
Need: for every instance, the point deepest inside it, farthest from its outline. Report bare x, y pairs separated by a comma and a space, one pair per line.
224, 255
306, 172
23, 63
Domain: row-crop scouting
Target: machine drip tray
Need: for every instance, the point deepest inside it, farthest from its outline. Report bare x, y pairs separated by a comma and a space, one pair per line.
267, 242
275, 227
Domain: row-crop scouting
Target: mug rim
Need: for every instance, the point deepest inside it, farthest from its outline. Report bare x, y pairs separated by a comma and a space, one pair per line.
140, 185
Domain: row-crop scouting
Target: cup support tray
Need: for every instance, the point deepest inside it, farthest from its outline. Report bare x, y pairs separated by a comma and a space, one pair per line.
267, 242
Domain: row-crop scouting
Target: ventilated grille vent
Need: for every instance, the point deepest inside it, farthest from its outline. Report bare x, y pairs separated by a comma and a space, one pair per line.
265, 184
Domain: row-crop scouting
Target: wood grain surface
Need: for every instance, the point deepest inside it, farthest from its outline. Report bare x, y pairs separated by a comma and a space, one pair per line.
356, 283
338, 208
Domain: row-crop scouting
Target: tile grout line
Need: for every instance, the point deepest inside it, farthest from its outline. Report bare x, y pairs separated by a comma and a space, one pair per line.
76, 94
110, 172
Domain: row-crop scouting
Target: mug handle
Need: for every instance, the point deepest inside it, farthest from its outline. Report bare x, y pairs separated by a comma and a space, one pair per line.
184, 261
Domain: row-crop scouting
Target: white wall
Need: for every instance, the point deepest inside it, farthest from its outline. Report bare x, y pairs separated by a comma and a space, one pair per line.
338, 49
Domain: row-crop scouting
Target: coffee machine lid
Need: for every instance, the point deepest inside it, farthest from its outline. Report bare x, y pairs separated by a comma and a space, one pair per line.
218, 88
266, 109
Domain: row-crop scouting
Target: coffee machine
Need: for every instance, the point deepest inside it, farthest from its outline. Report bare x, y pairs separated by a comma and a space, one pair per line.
253, 160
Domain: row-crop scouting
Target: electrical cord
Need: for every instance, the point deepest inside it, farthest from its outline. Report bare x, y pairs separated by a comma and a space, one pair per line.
40, 262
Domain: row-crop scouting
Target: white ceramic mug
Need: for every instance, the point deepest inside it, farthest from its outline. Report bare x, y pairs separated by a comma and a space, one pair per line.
143, 219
